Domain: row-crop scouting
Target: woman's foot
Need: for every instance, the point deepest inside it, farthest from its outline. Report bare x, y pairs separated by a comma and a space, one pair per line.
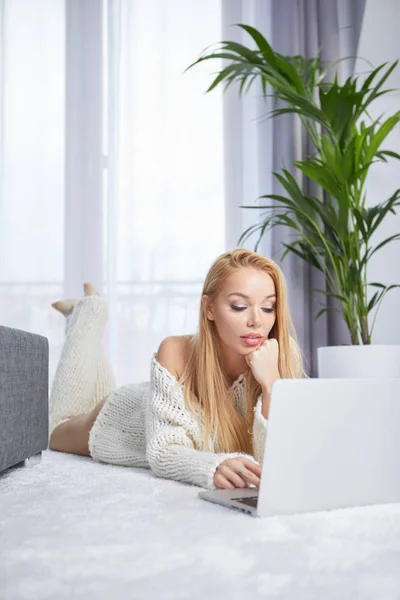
90, 290
66, 307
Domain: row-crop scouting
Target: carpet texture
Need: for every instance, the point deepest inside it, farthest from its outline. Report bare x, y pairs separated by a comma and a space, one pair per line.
71, 528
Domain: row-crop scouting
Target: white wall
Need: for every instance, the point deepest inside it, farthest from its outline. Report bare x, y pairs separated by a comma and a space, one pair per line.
379, 43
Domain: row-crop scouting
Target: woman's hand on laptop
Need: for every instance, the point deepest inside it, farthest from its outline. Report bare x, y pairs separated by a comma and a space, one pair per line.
237, 472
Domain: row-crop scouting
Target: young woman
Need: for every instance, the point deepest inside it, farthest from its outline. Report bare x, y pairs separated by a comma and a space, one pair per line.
203, 417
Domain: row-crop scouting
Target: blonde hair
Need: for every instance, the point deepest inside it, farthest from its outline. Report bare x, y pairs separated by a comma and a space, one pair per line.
205, 385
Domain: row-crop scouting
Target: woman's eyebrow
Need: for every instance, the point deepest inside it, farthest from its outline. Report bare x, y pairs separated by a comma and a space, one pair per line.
247, 298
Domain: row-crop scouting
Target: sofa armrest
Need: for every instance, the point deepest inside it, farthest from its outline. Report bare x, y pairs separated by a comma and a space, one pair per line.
24, 406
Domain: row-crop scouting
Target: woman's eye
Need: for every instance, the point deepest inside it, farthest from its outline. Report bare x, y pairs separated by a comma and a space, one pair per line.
241, 308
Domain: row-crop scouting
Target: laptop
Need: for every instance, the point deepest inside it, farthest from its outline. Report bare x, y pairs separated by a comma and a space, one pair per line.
330, 443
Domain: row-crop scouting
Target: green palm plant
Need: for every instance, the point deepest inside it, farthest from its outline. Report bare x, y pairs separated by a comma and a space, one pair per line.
334, 233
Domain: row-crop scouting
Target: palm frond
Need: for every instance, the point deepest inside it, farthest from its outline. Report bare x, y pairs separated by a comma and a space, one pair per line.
332, 234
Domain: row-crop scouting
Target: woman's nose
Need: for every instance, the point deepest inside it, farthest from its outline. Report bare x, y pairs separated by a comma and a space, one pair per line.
254, 318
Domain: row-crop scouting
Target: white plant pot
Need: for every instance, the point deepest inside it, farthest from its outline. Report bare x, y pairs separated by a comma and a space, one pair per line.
360, 362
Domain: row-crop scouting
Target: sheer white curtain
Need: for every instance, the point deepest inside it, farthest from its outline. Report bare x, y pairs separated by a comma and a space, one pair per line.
32, 165
112, 166
248, 147
164, 212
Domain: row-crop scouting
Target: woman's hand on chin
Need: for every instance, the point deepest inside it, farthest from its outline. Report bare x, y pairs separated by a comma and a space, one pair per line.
264, 363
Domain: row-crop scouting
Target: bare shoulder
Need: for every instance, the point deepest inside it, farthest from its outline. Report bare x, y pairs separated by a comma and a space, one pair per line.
173, 353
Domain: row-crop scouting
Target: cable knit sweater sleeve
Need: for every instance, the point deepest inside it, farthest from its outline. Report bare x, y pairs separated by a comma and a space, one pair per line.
174, 435
259, 431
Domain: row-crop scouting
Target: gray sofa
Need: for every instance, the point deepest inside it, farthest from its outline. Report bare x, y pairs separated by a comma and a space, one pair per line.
24, 407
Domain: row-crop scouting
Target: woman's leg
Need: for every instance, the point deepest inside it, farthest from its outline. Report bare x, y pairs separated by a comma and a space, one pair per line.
72, 436
83, 378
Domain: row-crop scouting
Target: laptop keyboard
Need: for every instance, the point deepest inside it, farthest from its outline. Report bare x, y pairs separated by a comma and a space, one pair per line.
249, 501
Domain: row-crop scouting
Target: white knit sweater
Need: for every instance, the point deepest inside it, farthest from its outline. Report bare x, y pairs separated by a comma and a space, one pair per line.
149, 425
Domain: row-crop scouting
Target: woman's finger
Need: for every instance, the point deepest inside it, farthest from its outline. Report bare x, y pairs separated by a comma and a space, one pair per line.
233, 476
253, 467
252, 472
222, 482
250, 477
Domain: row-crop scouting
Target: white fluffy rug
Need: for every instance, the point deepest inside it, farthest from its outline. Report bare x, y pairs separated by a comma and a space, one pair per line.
74, 529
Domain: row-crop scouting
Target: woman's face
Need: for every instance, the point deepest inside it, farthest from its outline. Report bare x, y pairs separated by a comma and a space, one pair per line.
244, 309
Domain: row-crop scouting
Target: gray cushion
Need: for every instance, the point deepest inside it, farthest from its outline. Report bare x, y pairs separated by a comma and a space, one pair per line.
24, 407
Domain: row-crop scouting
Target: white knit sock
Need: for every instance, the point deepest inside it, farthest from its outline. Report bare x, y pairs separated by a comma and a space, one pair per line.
83, 376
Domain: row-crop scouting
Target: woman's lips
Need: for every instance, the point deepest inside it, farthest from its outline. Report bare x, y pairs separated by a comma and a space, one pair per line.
250, 340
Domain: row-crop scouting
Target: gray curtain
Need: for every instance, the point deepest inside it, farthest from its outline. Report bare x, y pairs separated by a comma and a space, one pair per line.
292, 27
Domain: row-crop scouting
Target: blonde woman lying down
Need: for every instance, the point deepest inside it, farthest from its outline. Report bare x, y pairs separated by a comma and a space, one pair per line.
203, 417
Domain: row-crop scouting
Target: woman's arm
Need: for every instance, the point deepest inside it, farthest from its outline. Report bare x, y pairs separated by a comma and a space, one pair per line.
170, 446
260, 424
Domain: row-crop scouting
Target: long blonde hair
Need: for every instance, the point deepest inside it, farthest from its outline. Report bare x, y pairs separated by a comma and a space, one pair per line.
205, 385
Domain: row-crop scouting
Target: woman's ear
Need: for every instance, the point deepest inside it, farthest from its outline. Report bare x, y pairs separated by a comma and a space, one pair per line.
208, 307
